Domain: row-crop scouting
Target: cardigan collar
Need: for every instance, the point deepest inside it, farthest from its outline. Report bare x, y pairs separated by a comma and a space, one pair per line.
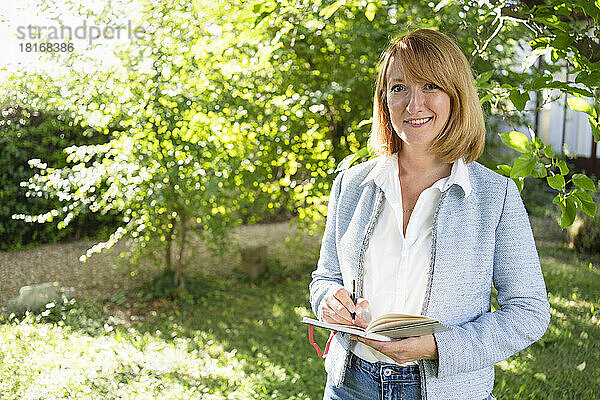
387, 166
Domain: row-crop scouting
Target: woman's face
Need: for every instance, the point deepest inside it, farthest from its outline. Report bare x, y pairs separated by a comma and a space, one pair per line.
418, 110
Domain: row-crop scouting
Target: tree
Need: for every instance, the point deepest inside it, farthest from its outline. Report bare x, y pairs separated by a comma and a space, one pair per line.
225, 113
569, 32
167, 168
234, 112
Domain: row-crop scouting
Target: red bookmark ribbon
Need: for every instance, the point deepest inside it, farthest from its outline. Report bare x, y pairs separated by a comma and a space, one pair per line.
316, 346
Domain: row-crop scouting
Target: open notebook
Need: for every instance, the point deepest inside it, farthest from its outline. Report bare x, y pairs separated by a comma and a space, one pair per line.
387, 327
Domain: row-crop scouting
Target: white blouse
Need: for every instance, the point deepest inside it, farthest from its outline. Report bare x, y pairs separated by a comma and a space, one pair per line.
396, 267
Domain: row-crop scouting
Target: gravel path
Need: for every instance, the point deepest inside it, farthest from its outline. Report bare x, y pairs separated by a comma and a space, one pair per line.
107, 273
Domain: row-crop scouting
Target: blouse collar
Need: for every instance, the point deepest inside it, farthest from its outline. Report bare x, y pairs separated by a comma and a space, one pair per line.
387, 166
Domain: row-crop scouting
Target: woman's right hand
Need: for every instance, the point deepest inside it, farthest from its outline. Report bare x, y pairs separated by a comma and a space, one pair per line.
336, 308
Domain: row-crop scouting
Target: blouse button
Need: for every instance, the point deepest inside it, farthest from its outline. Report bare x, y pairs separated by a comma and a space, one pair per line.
387, 372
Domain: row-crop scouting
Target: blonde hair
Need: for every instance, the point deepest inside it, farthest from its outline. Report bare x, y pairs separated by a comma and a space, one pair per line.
429, 56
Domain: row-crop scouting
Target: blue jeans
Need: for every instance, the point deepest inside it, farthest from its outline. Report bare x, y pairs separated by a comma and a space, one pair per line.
371, 381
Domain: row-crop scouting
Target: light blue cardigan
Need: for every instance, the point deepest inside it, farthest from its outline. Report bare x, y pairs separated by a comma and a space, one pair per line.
478, 240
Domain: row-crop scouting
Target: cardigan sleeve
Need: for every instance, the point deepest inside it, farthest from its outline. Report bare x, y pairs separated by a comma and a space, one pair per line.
524, 313
328, 275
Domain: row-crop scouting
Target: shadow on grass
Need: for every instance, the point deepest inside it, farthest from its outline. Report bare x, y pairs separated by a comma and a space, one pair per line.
251, 330
261, 324
249, 333
258, 323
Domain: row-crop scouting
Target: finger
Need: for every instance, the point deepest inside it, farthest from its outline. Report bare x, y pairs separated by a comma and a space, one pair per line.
360, 322
337, 311
328, 314
341, 302
398, 345
362, 305
333, 318
343, 296
369, 342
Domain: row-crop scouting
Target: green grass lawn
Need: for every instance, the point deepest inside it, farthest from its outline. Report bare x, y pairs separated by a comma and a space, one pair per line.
233, 339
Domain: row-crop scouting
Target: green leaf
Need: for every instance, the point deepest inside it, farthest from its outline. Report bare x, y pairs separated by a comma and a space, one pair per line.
562, 41
487, 85
588, 79
442, 4
591, 9
539, 144
562, 165
579, 104
517, 141
370, 11
564, 9
539, 171
556, 182
579, 90
540, 376
540, 82
548, 151
348, 160
568, 213
519, 99
583, 182
523, 166
596, 133
484, 77
586, 203
261, 17
595, 129
547, 19
364, 122
520, 182
485, 98
558, 199
363, 152
533, 56
504, 169
330, 9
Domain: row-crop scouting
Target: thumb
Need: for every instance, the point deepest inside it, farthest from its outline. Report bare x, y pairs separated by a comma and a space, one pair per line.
362, 305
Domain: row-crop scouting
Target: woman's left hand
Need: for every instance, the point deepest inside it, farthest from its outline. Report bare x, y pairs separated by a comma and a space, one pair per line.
405, 350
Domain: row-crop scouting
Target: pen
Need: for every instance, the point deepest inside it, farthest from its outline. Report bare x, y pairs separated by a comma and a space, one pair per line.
353, 297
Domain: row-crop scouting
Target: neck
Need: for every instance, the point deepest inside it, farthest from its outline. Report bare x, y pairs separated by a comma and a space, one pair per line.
422, 164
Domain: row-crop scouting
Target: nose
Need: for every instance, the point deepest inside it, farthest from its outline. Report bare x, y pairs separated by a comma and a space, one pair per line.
415, 102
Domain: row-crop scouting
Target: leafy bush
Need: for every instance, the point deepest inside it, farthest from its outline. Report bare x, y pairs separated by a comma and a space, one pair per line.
537, 197
587, 237
26, 135
87, 316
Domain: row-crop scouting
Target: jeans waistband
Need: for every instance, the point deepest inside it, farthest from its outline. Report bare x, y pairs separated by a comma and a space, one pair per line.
386, 371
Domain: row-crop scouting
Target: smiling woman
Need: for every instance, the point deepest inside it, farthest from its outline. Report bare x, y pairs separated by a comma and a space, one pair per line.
419, 110
425, 229
437, 65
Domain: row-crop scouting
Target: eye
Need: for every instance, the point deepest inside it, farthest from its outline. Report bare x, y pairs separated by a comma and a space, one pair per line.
397, 88
431, 86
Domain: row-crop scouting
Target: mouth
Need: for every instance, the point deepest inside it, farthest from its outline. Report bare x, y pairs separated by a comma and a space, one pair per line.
418, 122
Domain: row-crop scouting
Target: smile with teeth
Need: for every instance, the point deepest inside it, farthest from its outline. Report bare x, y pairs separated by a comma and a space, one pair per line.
418, 122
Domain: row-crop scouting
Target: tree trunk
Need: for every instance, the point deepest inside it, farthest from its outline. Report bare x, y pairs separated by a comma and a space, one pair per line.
168, 251
179, 279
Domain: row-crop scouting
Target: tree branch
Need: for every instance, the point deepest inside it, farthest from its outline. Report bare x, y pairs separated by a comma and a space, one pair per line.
586, 46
